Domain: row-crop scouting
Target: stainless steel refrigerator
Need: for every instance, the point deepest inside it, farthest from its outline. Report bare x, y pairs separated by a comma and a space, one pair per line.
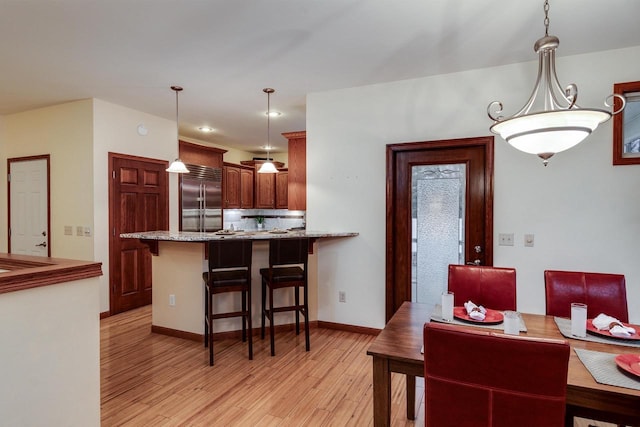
201, 198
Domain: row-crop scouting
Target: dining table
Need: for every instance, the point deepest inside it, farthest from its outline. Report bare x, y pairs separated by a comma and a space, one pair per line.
398, 348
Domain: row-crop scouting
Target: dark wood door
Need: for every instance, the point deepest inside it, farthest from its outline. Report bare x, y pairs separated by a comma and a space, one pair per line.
477, 155
138, 201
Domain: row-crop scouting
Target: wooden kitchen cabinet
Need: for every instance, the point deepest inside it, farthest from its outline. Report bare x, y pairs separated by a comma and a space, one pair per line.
237, 184
197, 154
265, 190
297, 168
246, 188
282, 189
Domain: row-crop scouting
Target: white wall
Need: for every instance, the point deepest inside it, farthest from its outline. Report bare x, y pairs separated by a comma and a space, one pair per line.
584, 212
115, 130
50, 366
64, 132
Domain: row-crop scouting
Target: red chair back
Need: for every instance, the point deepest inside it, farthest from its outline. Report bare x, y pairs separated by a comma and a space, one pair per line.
477, 378
602, 292
492, 287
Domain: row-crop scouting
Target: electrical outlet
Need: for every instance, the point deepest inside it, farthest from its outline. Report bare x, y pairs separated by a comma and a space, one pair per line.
79, 230
172, 300
505, 239
342, 296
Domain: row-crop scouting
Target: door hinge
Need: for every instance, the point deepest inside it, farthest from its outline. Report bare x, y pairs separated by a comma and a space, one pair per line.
8, 177
114, 231
113, 174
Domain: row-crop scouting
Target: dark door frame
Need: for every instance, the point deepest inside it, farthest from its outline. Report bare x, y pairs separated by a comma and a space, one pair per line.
112, 220
393, 150
46, 157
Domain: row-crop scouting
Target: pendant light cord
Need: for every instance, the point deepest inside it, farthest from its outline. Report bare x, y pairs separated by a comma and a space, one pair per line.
546, 17
268, 91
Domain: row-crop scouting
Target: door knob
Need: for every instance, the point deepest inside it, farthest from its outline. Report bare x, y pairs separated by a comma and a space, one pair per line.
475, 262
43, 244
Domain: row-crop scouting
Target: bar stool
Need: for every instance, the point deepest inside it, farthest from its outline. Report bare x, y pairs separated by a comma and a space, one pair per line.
287, 268
229, 271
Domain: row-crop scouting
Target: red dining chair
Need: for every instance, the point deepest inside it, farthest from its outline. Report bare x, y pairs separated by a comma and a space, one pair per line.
492, 287
478, 378
602, 292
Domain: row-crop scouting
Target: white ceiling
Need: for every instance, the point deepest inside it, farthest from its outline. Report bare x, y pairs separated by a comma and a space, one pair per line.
224, 53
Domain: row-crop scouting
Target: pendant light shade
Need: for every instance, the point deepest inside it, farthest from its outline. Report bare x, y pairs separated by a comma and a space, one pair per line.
268, 166
177, 166
550, 121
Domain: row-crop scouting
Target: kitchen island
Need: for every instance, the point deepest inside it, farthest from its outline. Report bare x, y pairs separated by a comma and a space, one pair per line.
178, 292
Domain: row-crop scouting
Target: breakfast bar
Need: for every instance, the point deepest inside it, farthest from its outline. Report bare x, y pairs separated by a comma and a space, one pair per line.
178, 293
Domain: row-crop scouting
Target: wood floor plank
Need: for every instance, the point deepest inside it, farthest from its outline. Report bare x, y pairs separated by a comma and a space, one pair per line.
157, 380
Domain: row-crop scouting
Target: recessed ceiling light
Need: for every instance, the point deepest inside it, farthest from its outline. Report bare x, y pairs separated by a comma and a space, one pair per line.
273, 114
205, 129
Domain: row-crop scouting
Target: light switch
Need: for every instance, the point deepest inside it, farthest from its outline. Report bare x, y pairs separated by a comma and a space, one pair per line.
79, 230
528, 240
87, 231
68, 230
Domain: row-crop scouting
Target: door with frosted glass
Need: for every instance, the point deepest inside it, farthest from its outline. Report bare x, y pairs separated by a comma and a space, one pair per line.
439, 212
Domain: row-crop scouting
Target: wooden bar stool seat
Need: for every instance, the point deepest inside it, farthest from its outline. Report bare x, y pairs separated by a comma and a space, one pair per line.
229, 271
287, 269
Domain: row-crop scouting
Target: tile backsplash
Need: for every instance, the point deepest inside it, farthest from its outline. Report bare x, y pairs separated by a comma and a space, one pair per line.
245, 219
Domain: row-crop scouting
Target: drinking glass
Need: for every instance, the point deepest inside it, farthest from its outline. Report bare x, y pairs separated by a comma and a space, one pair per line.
578, 319
447, 306
511, 323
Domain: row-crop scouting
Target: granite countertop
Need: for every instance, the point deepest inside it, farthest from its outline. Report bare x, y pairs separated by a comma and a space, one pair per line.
194, 236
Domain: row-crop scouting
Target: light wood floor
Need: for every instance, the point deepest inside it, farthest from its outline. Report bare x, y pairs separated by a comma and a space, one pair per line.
154, 380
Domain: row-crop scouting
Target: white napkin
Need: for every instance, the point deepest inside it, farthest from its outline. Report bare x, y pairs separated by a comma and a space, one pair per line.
602, 322
474, 311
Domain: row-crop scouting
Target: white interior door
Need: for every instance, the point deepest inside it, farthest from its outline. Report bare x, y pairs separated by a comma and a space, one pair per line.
29, 199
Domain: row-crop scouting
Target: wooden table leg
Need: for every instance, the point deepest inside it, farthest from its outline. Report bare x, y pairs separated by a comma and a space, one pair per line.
411, 397
381, 392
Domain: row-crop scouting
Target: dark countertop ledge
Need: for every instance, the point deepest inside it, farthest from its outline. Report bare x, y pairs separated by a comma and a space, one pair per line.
26, 272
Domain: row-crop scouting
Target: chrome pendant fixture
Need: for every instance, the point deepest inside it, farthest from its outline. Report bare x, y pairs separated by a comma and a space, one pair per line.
268, 166
177, 166
550, 121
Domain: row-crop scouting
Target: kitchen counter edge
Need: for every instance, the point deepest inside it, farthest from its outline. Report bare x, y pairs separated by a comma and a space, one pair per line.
194, 236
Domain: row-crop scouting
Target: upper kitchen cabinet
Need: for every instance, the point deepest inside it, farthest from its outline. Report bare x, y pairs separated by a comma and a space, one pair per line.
265, 185
282, 189
197, 154
297, 174
237, 186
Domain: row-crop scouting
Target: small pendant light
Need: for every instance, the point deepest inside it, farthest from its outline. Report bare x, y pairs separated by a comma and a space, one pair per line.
268, 166
177, 166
